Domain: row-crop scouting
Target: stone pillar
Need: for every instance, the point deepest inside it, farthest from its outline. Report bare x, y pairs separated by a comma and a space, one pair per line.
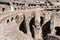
52, 25
38, 34
27, 25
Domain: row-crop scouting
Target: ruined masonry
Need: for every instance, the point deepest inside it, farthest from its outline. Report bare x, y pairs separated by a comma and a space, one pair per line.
29, 19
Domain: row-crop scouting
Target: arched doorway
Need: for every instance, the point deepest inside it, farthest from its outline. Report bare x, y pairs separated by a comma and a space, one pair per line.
46, 29
32, 22
22, 27
57, 30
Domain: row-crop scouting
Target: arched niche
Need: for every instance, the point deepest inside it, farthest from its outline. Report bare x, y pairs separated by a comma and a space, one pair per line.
31, 24
22, 26
46, 29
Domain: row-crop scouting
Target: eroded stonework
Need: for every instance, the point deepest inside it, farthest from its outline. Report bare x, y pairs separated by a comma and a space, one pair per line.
26, 20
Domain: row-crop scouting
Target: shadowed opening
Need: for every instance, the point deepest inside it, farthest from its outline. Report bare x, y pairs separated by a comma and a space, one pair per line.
12, 19
42, 20
22, 27
57, 30
5, 3
46, 29
8, 21
32, 22
3, 9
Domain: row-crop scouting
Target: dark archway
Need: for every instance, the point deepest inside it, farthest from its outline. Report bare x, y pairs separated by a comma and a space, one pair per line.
22, 27
3, 9
11, 19
32, 22
8, 21
46, 29
42, 20
57, 30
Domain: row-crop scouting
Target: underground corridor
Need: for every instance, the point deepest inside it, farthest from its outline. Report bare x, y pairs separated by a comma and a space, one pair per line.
32, 22
46, 30
22, 27
57, 28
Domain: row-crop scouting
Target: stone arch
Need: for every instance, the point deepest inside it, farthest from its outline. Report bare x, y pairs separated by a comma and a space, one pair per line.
46, 29
32, 22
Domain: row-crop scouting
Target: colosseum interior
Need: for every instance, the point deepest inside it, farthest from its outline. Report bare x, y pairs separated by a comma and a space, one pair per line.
29, 19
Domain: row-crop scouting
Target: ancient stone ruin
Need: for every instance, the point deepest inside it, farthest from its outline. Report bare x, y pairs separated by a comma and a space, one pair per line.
29, 19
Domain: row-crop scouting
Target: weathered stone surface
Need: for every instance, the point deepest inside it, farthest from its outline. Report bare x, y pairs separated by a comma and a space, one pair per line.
29, 21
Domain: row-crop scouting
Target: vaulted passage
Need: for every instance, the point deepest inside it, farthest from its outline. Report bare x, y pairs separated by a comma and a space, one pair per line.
57, 30
22, 27
46, 29
32, 22
42, 20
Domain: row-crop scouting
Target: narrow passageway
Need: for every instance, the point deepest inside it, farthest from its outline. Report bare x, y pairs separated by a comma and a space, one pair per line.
32, 22
46, 29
